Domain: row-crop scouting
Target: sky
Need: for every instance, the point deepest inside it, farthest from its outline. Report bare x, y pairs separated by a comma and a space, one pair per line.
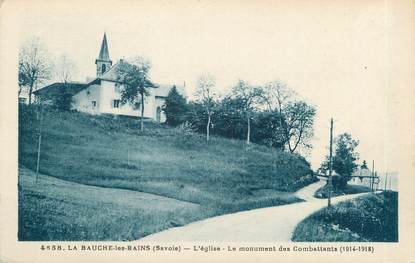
333, 54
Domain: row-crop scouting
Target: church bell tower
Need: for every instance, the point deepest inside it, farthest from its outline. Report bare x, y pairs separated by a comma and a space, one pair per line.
103, 61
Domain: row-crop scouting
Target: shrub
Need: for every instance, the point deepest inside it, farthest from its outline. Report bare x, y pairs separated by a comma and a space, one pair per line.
175, 108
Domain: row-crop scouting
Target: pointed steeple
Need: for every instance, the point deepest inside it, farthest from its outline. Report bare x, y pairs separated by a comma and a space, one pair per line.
103, 53
103, 61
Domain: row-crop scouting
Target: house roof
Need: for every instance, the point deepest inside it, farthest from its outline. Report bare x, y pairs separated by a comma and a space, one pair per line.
55, 88
362, 172
163, 90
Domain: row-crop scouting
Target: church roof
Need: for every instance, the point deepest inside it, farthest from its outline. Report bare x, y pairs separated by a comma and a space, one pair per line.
161, 90
57, 87
104, 53
111, 74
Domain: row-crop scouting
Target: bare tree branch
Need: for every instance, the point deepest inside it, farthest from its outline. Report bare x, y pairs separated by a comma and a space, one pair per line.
34, 65
205, 94
64, 69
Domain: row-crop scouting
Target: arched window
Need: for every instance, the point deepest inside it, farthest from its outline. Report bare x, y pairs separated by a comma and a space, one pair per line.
104, 67
158, 114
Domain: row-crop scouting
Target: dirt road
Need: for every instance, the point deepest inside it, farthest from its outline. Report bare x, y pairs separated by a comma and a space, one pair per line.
265, 224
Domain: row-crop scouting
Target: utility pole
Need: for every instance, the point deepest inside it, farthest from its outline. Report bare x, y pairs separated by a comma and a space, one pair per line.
390, 184
39, 142
330, 164
386, 180
373, 175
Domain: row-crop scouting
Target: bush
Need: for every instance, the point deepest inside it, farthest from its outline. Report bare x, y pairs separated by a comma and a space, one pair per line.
187, 137
372, 218
340, 182
63, 100
175, 108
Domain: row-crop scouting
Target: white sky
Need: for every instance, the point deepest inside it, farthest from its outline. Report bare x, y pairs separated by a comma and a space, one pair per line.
334, 54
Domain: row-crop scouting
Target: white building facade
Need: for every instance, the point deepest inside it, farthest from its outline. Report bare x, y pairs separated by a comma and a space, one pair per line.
102, 95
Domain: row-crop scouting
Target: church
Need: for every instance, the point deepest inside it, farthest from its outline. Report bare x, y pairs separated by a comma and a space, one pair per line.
102, 95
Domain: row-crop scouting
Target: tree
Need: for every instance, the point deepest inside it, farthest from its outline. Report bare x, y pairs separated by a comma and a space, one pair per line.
297, 125
228, 118
364, 165
63, 100
64, 69
134, 77
277, 95
249, 97
175, 108
205, 94
23, 80
345, 157
196, 116
324, 167
266, 129
34, 65
295, 117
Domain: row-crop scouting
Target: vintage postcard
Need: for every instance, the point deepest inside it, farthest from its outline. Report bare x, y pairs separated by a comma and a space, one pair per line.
207, 131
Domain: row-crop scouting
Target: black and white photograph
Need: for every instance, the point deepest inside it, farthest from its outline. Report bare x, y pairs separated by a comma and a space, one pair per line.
206, 121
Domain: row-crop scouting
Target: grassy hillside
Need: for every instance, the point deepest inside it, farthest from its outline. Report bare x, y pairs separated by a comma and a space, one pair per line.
370, 218
54, 209
221, 176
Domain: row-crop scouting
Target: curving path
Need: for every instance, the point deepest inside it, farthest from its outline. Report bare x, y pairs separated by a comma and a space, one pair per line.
265, 224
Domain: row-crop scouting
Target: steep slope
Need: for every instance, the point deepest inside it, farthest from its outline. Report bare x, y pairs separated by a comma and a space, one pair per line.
221, 176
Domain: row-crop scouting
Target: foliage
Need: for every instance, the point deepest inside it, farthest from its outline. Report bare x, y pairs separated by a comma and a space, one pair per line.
228, 118
267, 130
187, 138
196, 116
175, 108
364, 165
249, 97
370, 218
295, 117
324, 167
62, 100
23, 78
297, 124
134, 77
344, 159
287, 124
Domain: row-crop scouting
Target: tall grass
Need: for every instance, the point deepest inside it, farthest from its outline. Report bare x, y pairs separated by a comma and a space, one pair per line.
371, 218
